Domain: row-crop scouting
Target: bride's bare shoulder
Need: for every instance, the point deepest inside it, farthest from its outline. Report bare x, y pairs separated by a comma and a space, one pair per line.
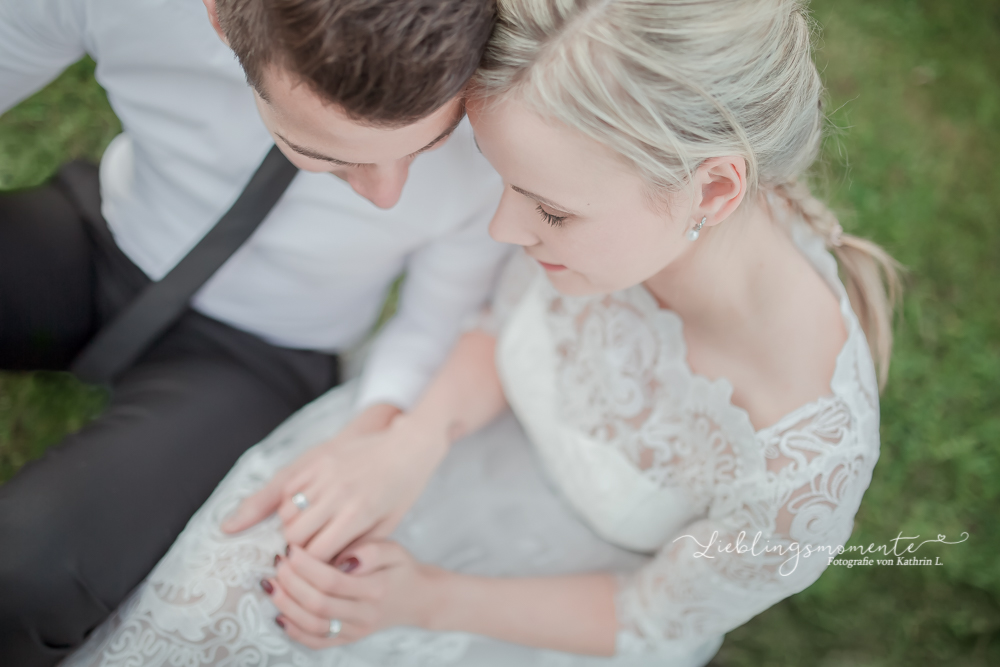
799, 353
787, 357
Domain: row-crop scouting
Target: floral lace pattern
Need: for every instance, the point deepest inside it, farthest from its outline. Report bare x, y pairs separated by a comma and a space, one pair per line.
612, 371
202, 604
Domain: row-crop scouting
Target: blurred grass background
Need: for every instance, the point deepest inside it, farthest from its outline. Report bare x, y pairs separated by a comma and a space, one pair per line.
913, 163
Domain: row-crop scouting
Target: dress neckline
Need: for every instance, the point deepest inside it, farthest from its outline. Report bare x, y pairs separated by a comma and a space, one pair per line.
812, 246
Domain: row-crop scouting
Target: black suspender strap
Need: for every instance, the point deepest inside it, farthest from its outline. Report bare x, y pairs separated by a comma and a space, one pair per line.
120, 342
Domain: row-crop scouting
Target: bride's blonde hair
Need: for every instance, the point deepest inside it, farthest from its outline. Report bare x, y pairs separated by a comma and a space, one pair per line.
667, 84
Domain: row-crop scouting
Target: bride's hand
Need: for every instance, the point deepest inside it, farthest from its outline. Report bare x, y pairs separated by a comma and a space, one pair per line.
375, 585
357, 484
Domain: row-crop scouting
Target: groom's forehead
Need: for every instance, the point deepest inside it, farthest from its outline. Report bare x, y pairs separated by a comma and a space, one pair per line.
321, 130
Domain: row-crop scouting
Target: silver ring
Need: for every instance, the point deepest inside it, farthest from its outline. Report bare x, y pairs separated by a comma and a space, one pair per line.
299, 500
335, 628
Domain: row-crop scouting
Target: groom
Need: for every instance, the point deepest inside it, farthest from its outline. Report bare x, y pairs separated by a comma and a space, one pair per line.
353, 93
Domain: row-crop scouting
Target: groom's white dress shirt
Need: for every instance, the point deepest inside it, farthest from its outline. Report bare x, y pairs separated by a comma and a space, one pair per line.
315, 273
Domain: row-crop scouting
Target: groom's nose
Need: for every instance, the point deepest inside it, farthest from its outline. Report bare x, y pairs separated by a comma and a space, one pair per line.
382, 185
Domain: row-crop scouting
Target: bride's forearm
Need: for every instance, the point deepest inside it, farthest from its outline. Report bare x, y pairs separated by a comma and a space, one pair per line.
573, 613
464, 396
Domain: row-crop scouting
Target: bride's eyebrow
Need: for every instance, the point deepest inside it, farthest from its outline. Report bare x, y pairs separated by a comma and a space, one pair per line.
541, 200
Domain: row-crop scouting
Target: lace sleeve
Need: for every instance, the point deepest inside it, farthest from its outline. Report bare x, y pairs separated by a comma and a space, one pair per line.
767, 536
515, 278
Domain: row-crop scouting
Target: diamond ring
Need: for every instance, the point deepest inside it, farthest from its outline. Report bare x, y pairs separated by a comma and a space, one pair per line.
335, 628
299, 500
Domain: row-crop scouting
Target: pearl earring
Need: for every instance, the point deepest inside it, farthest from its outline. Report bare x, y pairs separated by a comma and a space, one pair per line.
693, 233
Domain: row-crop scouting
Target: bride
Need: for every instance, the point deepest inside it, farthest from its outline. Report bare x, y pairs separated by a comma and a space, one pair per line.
694, 389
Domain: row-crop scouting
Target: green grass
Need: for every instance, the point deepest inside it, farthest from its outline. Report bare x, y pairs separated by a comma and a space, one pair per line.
916, 89
69, 119
915, 99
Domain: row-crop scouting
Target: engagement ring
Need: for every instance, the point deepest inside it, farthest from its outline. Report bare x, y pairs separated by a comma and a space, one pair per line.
335, 627
299, 500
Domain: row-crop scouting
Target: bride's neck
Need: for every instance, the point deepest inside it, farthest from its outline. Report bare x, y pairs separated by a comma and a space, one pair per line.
726, 276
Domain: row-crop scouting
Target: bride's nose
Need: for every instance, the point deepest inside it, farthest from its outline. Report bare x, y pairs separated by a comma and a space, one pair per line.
512, 223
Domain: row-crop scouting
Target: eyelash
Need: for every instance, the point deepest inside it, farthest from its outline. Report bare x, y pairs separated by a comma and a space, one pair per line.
553, 220
410, 156
427, 148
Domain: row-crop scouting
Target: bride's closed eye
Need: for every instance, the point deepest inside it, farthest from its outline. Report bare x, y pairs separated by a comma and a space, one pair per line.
554, 220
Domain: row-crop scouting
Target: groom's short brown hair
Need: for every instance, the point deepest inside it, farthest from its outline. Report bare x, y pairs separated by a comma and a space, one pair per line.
385, 62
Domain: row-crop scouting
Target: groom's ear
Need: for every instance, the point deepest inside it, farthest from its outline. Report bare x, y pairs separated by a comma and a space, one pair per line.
213, 18
722, 184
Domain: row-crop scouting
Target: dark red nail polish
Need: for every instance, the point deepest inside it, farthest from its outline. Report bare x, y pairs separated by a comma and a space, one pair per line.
281, 623
277, 559
266, 585
349, 564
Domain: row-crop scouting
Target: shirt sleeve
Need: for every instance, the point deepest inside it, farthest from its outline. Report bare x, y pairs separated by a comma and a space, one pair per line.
759, 544
38, 40
446, 281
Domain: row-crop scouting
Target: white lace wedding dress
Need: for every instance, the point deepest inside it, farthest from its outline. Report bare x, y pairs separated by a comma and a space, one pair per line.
627, 462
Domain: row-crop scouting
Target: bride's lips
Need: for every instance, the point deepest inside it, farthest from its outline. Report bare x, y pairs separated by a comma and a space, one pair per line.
551, 267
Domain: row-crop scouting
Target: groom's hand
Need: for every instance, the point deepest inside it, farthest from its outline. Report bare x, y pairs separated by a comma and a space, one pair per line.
364, 481
361, 486
266, 502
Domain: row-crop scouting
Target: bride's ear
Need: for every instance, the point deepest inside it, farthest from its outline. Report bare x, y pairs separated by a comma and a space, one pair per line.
720, 186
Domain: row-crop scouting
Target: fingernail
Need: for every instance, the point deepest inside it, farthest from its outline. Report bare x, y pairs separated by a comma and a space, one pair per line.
281, 623
288, 550
266, 585
277, 559
349, 564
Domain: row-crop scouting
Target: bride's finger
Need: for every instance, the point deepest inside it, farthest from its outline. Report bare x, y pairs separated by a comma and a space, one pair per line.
346, 636
316, 624
372, 556
326, 578
318, 601
332, 538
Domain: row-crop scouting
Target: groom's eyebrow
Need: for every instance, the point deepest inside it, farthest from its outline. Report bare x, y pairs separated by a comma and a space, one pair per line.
541, 200
308, 152
302, 150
